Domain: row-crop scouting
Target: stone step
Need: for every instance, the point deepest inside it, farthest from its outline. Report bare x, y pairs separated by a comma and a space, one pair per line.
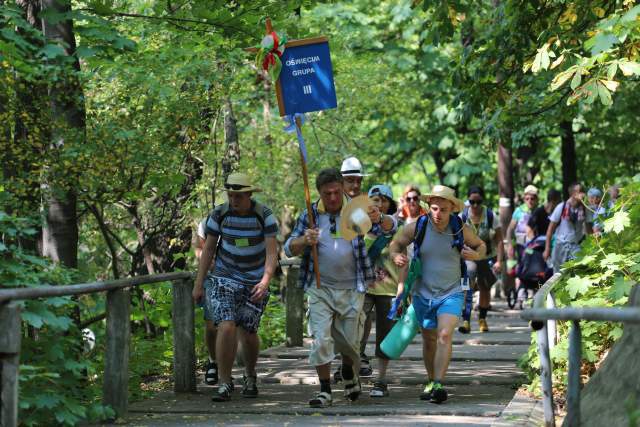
411, 372
314, 420
414, 352
274, 399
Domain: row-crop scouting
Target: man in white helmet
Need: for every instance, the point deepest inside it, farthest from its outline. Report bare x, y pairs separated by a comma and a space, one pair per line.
352, 174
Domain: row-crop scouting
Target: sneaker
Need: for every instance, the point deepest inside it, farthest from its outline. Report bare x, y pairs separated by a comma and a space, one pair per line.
352, 389
322, 400
211, 373
482, 323
426, 393
465, 328
365, 368
438, 393
223, 394
379, 389
249, 389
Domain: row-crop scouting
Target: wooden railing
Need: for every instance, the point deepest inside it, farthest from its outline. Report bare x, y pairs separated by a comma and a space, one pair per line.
118, 332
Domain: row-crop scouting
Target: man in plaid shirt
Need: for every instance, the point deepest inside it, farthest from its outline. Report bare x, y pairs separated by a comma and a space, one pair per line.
335, 307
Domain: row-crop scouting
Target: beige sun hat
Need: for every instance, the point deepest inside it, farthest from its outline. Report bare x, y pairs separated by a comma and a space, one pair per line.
240, 183
445, 192
531, 189
354, 219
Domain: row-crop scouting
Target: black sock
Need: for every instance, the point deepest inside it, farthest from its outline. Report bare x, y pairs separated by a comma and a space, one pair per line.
325, 386
347, 372
483, 312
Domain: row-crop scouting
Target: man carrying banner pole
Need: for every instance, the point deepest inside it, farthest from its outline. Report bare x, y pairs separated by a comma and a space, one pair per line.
335, 307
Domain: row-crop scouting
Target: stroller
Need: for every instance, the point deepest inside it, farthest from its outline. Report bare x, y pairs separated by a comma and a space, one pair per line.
532, 272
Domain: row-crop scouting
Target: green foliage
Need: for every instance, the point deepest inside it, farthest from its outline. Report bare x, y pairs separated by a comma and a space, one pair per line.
601, 277
56, 379
273, 323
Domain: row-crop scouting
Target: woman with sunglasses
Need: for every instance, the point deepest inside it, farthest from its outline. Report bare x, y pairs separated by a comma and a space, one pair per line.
486, 225
411, 208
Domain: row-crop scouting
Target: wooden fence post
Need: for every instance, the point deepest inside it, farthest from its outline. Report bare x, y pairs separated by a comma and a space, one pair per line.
184, 351
115, 388
10, 325
295, 308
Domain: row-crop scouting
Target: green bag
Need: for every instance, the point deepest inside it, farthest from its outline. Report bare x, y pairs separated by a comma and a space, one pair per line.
406, 328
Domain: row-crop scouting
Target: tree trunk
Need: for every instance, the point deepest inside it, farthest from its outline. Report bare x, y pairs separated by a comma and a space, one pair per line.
569, 161
232, 151
507, 193
60, 236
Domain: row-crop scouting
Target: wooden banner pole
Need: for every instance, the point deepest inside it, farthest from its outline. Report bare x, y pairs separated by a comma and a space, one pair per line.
307, 198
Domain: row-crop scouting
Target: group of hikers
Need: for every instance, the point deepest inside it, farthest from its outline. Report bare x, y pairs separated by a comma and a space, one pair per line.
458, 246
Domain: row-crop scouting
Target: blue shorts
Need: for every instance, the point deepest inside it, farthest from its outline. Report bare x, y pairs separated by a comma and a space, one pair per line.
428, 310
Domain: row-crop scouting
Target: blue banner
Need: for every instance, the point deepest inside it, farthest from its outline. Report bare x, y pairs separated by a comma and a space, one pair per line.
306, 79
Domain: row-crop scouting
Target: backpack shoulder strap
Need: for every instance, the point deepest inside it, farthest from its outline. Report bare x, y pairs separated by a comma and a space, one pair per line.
260, 211
221, 211
465, 214
456, 229
489, 218
418, 236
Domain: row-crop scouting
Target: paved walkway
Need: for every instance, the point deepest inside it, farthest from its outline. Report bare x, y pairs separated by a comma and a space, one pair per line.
482, 380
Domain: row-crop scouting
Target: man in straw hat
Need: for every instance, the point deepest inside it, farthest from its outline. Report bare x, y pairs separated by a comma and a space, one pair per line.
335, 306
437, 297
242, 235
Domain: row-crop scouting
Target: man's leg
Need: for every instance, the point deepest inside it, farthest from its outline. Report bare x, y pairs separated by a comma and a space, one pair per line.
429, 344
347, 333
221, 296
226, 347
251, 347
210, 333
446, 325
211, 367
321, 354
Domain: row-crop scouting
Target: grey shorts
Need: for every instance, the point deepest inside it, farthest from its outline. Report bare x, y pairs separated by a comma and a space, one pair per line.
228, 300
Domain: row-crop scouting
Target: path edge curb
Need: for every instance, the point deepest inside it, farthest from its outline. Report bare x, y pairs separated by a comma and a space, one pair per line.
523, 410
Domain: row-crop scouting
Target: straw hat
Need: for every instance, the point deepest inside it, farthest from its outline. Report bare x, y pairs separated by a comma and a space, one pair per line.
445, 193
354, 219
351, 167
240, 183
531, 189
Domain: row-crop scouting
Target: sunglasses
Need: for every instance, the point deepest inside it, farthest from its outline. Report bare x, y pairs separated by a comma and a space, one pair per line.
475, 202
414, 199
235, 187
